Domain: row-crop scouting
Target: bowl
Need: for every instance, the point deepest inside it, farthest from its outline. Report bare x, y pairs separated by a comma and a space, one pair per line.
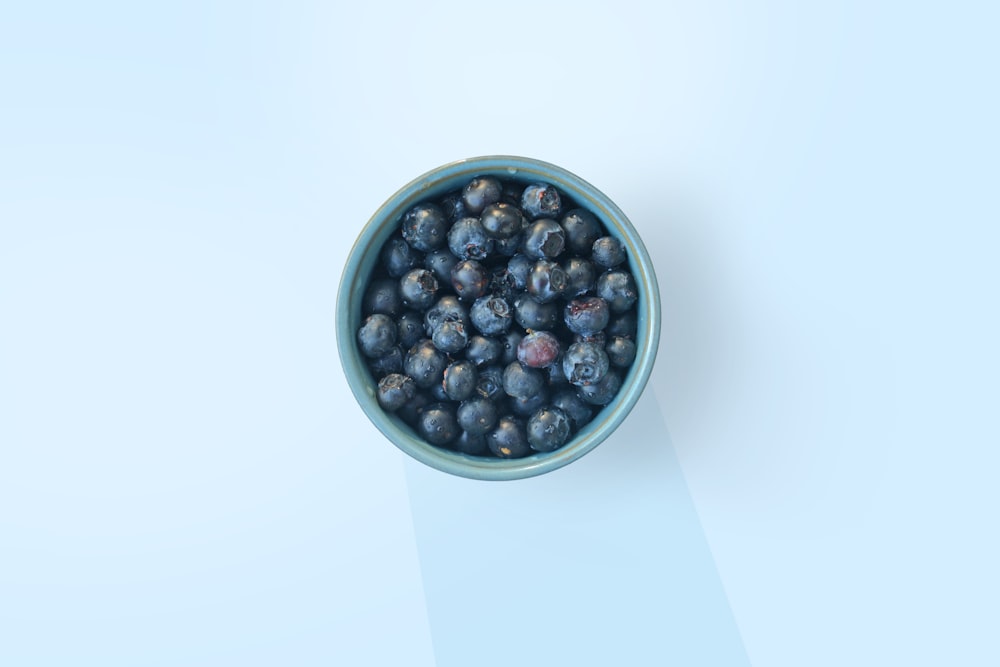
365, 253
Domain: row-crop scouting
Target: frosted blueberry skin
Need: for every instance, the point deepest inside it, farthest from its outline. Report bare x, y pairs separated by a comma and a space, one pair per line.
587, 315
382, 296
477, 416
544, 239
460, 379
425, 364
538, 349
450, 337
437, 424
548, 429
418, 288
377, 335
395, 390
484, 350
585, 364
441, 262
581, 276
390, 362
411, 328
468, 240
541, 200
582, 229
520, 381
491, 315
509, 440
424, 227
618, 288
621, 351
608, 252
480, 193
398, 257
601, 393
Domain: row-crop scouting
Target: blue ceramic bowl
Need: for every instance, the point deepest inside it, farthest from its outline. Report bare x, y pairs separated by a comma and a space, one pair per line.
365, 254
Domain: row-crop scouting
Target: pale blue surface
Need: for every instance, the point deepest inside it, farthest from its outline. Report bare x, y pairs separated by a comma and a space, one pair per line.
185, 478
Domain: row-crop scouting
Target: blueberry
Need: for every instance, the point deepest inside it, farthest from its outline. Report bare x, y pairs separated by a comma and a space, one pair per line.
437, 424
448, 308
477, 416
450, 336
582, 229
441, 262
581, 276
418, 288
454, 207
579, 412
480, 193
468, 240
411, 328
502, 221
520, 381
621, 351
525, 407
509, 439
510, 341
585, 364
548, 429
608, 252
546, 281
508, 247
390, 362
438, 393
470, 279
519, 267
554, 374
618, 289
398, 257
624, 325
490, 383
410, 412
502, 283
395, 391
483, 350
382, 296
538, 349
600, 338
473, 445
587, 315
425, 364
544, 238
511, 194
491, 315
377, 335
460, 379
533, 315
424, 227
601, 393
541, 200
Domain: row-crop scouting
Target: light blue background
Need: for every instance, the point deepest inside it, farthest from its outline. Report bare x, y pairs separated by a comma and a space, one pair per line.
809, 480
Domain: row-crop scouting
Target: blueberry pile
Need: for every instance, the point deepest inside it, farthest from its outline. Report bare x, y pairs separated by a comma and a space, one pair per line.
499, 319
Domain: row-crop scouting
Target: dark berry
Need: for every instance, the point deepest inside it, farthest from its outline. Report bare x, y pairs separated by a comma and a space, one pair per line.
490, 383
410, 412
624, 325
424, 227
411, 328
502, 283
601, 393
581, 276
531, 314
569, 402
460, 379
621, 351
454, 207
447, 308
520, 381
511, 193
477, 416
470, 279
582, 229
509, 439
473, 445
600, 338
390, 362
441, 263
541, 200
418, 288
548, 429
398, 257
546, 281
382, 296
608, 252
437, 424
395, 391
483, 350
450, 336
587, 315
543, 239
502, 221
377, 335
519, 267
491, 315
585, 364
425, 364
525, 407
618, 289
508, 247
468, 240
480, 193
538, 349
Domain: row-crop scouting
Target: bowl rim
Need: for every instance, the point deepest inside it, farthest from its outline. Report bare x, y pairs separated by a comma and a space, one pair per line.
608, 418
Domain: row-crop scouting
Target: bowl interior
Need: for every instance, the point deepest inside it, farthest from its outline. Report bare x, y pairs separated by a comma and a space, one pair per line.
365, 253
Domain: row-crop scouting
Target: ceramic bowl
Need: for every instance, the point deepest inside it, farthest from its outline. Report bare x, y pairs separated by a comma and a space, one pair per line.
365, 254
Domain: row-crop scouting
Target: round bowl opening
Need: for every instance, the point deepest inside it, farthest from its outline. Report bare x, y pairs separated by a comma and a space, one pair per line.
365, 253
